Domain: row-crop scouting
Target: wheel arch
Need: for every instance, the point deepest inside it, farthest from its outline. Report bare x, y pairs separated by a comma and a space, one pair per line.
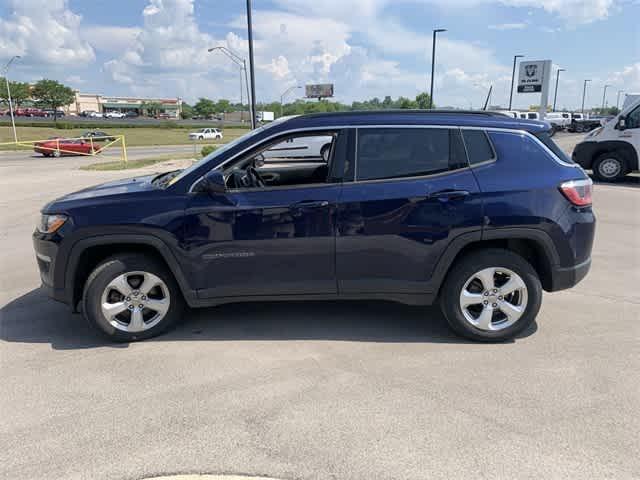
625, 149
88, 253
535, 246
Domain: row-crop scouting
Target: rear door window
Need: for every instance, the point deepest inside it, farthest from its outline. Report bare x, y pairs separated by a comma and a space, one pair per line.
406, 152
478, 147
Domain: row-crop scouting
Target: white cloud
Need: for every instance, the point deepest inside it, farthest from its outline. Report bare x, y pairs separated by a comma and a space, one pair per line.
109, 39
508, 26
627, 79
44, 32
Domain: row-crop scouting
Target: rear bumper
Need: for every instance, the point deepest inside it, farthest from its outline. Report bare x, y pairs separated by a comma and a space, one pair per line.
564, 278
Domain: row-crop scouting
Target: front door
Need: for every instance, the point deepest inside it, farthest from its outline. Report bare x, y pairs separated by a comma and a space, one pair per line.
413, 193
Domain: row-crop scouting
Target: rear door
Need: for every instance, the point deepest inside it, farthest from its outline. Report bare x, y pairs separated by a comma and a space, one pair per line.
412, 194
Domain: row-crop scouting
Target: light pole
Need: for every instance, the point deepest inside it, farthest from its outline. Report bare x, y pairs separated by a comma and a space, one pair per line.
513, 78
284, 94
5, 72
604, 96
433, 64
584, 94
251, 66
241, 62
618, 99
555, 96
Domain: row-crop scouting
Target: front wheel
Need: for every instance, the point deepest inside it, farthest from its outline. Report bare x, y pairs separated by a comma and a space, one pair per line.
609, 167
131, 297
57, 153
491, 295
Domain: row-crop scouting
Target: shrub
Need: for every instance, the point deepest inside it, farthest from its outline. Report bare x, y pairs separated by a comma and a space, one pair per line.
207, 149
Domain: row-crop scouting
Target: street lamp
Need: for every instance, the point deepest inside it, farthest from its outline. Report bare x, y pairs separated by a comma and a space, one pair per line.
251, 66
241, 62
584, 93
604, 96
5, 72
555, 96
618, 99
433, 64
284, 94
513, 77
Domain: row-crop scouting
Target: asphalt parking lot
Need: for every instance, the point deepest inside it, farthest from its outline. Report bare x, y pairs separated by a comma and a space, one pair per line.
344, 390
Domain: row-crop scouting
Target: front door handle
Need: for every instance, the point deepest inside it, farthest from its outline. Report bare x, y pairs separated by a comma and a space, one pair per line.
449, 194
310, 204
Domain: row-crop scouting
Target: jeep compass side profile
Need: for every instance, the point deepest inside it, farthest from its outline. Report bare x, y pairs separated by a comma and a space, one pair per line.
478, 211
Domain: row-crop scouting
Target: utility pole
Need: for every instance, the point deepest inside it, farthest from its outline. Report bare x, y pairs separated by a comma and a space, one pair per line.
513, 78
6, 79
584, 94
433, 64
604, 96
555, 96
251, 66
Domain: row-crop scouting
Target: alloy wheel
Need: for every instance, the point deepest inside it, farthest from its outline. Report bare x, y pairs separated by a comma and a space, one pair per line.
135, 301
493, 299
610, 168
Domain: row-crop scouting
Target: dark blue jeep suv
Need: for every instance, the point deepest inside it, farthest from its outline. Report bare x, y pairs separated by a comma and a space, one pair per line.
479, 211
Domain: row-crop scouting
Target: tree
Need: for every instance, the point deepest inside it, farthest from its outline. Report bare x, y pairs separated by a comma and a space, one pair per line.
53, 94
151, 108
423, 101
187, 111
204, 107
20, 92
223, 106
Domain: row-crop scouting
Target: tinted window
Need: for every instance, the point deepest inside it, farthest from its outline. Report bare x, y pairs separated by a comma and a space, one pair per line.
532, 116
478, 146
405, 152
553, 146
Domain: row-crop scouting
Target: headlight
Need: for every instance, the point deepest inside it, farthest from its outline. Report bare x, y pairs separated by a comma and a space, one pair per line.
51, 223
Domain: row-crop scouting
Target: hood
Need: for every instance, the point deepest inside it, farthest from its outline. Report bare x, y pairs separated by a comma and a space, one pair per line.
116, 188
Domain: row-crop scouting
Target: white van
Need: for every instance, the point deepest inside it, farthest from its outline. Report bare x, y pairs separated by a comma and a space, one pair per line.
530, 115
560, 120
612, 150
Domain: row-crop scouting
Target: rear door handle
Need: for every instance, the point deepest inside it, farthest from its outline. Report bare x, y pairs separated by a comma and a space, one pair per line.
310, 204
449, 194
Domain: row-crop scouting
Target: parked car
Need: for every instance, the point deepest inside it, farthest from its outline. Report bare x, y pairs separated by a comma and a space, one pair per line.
558, 120
583, 123
612, 150
98, 136
114, 114
163, 116
52, 113
530, 115
310, 148
476, 211
205, 134
29, 112
131, 114
57, 147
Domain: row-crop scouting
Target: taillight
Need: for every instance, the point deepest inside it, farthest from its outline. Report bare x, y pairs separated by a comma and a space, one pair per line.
578, 192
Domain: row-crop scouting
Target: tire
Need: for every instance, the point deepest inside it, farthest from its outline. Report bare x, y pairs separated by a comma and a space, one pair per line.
609, 167
496, 326
579, 128
56, 153
105, 286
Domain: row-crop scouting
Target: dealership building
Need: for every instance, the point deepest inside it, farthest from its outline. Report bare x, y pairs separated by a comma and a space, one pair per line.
85, 102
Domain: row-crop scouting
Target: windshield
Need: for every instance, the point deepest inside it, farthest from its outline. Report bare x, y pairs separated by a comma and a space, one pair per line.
221, 150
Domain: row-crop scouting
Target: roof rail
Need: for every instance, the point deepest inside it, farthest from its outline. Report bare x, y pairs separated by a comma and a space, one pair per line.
413, 111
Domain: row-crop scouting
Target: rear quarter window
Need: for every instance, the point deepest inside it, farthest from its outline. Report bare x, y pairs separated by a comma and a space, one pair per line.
478, 147
546, 139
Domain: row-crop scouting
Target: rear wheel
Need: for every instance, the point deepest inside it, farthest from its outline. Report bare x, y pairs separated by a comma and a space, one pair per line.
491, 295
131, 297
56, 153
609, 167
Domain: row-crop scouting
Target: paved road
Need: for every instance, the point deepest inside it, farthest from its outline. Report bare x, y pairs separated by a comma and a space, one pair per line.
320, 390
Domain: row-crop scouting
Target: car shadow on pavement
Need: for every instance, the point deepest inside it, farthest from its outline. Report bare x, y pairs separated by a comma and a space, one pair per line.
34, 318
628, 181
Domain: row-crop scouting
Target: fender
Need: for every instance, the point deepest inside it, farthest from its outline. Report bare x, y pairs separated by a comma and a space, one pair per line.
460, 242
146, 239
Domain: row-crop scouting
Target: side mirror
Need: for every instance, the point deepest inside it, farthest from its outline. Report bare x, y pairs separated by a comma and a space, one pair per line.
622, 124
213, 183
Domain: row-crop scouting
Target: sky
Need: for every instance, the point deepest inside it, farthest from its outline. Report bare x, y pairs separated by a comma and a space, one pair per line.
366, 48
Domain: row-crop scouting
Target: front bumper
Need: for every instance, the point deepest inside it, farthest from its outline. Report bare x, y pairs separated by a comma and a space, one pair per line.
584, 154
46, 254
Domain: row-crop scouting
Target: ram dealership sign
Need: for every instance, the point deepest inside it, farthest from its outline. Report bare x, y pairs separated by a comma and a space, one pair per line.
532, 76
